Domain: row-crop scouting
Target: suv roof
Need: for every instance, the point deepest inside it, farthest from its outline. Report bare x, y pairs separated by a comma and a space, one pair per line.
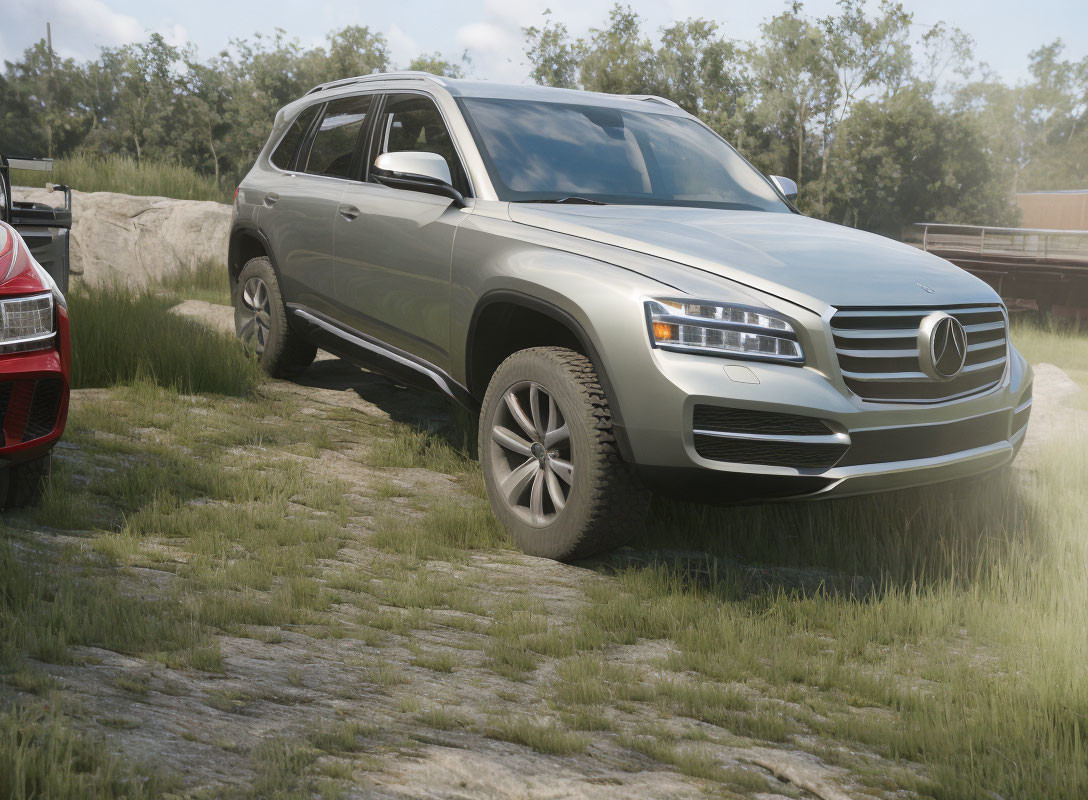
460, 87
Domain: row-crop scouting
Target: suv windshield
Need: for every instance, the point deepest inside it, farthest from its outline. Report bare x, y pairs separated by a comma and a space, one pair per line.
555, 152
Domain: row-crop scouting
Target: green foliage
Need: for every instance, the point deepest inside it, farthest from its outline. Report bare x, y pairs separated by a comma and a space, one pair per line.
554, 57
435, 64
903, 161
121, 334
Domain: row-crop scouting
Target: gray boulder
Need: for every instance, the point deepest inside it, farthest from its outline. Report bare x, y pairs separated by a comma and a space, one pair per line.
138, 240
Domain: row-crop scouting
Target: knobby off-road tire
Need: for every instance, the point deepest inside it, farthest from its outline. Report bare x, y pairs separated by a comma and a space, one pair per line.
260, 320
22, 484
602, 502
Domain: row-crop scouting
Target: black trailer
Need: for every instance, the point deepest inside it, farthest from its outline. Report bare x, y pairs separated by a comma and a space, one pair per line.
45, 229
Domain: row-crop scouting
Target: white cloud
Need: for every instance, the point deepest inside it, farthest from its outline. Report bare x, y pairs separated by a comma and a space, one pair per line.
402, 47
81, 27
495, 43
174, 34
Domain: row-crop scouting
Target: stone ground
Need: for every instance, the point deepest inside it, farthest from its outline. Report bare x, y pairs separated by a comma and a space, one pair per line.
202, 725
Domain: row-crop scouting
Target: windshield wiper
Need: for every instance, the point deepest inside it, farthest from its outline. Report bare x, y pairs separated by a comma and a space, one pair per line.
573, 200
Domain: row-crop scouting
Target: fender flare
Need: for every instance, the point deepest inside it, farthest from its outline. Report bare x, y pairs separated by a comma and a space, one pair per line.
250, 229
585, 340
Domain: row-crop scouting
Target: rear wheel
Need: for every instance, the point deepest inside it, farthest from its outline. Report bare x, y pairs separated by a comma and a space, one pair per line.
260, 320
553, 472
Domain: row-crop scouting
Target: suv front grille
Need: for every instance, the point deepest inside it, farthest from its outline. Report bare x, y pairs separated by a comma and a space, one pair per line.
878, 353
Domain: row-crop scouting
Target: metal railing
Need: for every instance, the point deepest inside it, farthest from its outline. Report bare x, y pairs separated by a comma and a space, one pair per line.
984, 243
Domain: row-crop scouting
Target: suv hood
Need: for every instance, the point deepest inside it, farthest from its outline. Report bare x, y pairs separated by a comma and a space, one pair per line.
808, 262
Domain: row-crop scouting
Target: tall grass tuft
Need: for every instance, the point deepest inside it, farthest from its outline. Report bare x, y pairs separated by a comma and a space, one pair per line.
42, 756
93, 173
206, 280
120, 334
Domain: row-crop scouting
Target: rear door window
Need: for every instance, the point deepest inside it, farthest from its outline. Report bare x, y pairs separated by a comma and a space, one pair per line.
333, 150
284, 154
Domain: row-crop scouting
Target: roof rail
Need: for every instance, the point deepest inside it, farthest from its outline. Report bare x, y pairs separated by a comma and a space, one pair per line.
652, 98
398, 75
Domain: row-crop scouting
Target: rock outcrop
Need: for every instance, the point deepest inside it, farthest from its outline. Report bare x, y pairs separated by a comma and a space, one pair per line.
138, 240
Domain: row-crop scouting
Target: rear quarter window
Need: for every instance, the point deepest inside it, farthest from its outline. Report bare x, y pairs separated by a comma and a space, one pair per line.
284, 154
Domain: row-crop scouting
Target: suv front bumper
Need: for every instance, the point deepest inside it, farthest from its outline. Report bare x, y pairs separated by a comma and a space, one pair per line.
861, 447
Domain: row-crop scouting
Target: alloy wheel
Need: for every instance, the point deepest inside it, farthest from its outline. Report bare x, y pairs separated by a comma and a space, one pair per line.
531, 460
253, 318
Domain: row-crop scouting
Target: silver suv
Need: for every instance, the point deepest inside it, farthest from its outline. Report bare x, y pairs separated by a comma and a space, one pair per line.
625, 300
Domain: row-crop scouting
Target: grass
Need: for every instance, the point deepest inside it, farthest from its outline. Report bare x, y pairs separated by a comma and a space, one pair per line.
120, 334
544, 737
42, 756
449, 531
206, 280
92, 173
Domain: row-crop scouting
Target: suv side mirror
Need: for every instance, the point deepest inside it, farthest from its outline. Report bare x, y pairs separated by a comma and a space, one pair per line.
786, 186
417, 171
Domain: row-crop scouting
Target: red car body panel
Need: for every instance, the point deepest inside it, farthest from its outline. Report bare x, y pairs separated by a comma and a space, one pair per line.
34, 385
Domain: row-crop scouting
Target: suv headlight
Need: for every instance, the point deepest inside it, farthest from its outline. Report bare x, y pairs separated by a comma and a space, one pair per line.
708, 328
26, 323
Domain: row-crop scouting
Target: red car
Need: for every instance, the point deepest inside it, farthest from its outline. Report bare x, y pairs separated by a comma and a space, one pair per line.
35, 366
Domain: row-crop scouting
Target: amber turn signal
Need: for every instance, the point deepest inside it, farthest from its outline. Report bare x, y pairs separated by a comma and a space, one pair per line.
663, 331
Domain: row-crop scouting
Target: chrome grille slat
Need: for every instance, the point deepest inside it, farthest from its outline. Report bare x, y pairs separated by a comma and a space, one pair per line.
879, 358
997, 362
906, 377
849, 313
894, 333
985, 326
913, 353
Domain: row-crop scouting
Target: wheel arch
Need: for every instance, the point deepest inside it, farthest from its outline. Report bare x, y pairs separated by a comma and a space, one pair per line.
494, 334
247, 242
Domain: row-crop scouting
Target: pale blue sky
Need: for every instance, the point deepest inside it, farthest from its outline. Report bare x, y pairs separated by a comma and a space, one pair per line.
490, 30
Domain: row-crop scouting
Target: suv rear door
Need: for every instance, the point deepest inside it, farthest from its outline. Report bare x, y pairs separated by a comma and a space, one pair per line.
394, 246
301, 201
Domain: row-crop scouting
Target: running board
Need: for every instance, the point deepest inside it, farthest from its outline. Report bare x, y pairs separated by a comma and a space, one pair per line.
375, 355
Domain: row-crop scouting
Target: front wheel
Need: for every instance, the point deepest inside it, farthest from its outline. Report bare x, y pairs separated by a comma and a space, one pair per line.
553, 472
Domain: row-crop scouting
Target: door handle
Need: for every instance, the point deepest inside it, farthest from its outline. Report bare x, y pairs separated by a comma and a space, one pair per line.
270, 198
349, 212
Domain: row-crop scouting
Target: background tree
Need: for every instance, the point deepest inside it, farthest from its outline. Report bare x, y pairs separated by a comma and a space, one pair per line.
436, 64
554, 57
796, 79
620, 58
147, 84
865, 53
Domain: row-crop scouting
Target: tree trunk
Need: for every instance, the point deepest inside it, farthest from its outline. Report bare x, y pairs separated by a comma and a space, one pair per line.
136, 139
215, 155
800, 148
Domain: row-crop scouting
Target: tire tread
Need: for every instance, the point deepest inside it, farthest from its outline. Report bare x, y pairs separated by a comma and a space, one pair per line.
616, 499
286, 354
